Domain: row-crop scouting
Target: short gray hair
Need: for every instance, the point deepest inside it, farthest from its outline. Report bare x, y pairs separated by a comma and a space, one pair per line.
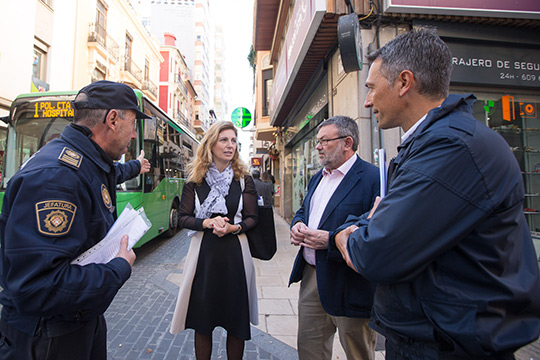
92, 117
346, 127
422, 52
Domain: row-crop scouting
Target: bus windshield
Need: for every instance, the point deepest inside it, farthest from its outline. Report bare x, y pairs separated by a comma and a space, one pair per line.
37, 120
34, 122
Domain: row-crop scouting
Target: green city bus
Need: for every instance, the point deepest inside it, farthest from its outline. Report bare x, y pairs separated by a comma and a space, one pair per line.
37, 118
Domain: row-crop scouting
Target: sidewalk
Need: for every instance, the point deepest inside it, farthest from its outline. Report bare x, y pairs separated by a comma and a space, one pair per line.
278, 303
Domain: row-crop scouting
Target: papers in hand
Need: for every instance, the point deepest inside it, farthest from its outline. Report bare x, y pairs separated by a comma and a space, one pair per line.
132, 222
382, 172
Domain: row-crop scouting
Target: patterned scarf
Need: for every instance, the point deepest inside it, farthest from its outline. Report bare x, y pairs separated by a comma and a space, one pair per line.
219, 188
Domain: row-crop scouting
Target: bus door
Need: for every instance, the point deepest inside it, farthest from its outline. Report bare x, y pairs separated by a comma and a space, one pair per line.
156, 203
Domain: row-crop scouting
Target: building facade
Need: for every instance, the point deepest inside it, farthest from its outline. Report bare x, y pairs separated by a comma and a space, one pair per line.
496, 55
69, 44
190, 21
62, 45
220, 104
176, 92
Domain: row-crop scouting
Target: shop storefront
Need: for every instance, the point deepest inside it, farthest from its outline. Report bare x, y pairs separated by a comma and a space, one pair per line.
301, 156
501, 67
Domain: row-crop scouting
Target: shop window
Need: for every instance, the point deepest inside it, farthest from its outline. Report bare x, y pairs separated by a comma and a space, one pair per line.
515, 117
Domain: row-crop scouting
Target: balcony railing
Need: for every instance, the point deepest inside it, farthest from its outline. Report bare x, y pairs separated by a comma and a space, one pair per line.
98, 34
149, 86
133, 69
183, 120
182, 86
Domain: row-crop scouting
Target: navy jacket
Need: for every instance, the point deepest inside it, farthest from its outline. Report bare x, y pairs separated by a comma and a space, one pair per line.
342, 291
449, 245
59, 204
264, 190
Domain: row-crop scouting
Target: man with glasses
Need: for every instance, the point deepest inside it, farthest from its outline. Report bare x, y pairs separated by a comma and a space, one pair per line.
331, 294
60, 203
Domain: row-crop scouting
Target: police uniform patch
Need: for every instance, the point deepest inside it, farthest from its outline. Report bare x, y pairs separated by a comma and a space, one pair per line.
55, 217
106, 198
70, 157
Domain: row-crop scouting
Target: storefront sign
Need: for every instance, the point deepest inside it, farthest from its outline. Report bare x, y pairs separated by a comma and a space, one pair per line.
493, 65
305, 19
529, 9
256, 161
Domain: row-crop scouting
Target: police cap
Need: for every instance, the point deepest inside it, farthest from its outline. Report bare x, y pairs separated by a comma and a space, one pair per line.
106, 94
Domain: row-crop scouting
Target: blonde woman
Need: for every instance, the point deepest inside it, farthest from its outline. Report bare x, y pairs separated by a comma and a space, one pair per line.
219, 203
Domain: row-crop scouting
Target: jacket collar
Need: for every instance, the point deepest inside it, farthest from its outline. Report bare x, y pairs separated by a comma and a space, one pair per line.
341, 192
80, 137
463, 102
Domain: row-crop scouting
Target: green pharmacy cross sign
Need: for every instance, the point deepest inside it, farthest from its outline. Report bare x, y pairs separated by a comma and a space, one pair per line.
241, 117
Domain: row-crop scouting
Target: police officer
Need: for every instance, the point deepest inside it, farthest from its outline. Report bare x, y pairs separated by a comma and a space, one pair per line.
59, 204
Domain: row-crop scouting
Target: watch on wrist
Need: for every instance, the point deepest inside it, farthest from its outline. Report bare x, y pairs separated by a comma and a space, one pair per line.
236, 232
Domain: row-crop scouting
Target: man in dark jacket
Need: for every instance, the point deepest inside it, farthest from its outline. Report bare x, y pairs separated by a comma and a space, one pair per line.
60, 203
264, 189
449, 245
332, 296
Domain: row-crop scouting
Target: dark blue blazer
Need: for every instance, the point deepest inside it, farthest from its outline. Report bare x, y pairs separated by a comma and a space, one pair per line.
342, 291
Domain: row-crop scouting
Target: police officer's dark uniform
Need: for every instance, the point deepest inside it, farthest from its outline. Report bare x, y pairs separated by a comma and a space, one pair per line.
58, 205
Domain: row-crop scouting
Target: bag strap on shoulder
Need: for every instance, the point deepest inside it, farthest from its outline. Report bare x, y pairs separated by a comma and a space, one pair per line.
242, 183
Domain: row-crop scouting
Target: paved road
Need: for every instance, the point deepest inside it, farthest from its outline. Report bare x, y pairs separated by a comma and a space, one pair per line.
139, 317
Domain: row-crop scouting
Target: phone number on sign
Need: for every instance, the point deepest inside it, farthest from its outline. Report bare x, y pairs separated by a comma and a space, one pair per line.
524, 77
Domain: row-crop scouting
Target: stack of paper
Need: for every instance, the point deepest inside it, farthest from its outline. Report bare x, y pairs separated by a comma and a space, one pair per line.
382, 172
132, 222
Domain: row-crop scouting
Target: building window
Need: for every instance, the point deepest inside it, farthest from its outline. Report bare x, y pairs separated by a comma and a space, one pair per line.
101, 21
267, 77
38, 65
100, 72
128, 48
146, 69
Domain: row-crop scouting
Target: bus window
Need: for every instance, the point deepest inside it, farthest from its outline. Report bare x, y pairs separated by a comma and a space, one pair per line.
132, 154
172, 153
153, 148
34, 122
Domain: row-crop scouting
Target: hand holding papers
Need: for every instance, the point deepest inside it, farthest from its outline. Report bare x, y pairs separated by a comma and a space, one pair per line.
132, 222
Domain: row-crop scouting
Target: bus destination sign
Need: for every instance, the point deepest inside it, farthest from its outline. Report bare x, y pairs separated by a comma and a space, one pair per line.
51, 109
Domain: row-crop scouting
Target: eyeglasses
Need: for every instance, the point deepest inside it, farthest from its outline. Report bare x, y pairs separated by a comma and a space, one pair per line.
324, 142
